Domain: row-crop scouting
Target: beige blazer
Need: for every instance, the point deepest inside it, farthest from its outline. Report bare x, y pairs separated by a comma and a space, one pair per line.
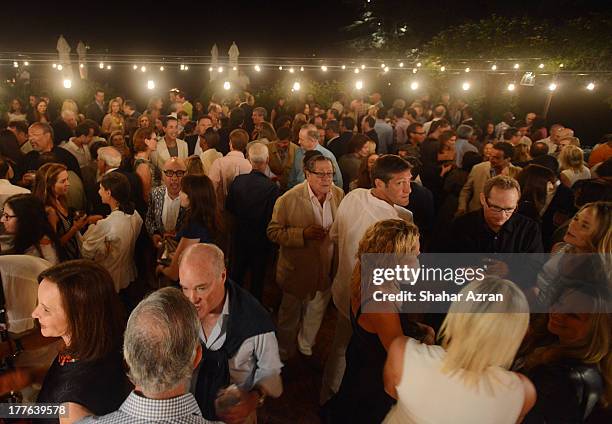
161, 155
298, 270
469, 198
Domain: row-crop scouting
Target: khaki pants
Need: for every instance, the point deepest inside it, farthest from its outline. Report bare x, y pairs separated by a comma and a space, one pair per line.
336, 362
293, 310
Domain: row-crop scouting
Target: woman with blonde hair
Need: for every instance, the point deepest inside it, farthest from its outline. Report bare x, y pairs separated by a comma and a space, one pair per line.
51, 188
361, 397
571, 163
467, 377
113, 121
567, 355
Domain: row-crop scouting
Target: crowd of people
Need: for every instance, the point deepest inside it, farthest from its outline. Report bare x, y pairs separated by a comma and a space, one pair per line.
135, 251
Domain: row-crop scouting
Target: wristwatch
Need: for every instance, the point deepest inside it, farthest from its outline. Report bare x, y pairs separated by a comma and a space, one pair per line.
261, 394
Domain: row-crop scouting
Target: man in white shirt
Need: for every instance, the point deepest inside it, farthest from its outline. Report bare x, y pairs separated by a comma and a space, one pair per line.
6, 188
300, 224
237, 337
360, 209
79, 144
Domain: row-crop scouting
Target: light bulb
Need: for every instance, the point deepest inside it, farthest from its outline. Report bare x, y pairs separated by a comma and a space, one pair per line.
511, 86
151, 85
414, 85
590, 86
494, 67
227, 85
359, 85
552, 86
466, 86
67, 83
324, 68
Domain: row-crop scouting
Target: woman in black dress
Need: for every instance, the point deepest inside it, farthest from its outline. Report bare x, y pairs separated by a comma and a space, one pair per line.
362, 397
77, 302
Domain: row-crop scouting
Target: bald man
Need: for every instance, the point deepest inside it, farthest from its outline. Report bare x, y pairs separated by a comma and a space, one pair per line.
237, 335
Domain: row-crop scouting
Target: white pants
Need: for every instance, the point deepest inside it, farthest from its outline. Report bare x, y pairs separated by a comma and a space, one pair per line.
293, 310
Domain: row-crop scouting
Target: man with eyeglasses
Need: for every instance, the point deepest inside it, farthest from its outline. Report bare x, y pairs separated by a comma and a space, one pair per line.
300, 224
165, 214
496, 228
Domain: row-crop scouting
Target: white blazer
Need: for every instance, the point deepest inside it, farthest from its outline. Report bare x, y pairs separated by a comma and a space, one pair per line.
161, 154
110, 242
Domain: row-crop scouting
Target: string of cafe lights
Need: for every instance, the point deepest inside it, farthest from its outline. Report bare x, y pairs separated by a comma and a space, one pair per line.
528, 66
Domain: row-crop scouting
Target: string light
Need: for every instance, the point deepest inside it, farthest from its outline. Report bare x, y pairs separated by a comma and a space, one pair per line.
210, 68
343, 66
419, 65
67, 83
362, 66
516, 66
301, 69
81, 66
227, 85
494, 67
590, 86
151, 85
541, 66
359, 84
161, 68
466, 86
257, 68
561, 65
60, 67
15, 64
26, 63
324, 68
386, 69
182, 67
108, 67
101, 65
401, 65
414, 70
143, 69
382, 65
467, 69
442, 68
414, 85
280, 68
186, 67
54, 65
552, 86
356, 70
220, 69
134, 67
291, 70
511, 86
296, 86
235, 68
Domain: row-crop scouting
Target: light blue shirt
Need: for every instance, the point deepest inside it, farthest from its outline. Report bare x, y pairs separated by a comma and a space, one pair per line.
385, 136
461, 147
296, 175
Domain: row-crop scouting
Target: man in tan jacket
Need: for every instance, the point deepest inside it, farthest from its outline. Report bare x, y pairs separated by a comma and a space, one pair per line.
498, 164
300, 224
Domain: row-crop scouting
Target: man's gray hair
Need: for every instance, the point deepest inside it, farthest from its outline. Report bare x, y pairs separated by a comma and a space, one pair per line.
311, 131
258, 153
161, 340
67, 113
110, 156
464, 131
261, 111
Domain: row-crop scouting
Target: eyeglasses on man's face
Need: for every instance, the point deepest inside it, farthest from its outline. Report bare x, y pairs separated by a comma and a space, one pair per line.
170, 173
498, 209
323, 175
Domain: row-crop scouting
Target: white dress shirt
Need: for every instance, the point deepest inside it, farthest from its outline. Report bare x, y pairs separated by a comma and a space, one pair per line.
82, 154
110, 242
357, 212
7, 190
323, 216
170, 211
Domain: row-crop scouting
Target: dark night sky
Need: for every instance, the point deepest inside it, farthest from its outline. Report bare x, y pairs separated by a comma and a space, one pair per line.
259, 28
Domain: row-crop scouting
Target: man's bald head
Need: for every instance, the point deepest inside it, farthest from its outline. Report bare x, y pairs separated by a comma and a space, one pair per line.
175, 164
202, 258
110, 156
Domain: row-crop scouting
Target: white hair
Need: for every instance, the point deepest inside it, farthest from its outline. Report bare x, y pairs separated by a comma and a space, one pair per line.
161, 340
258, 153
67, 113
110, 156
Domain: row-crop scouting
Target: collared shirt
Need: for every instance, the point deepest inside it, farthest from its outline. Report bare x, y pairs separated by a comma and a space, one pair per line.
170, 211
324, 218
197, 150
385, 136
138, 409
471, 234
357, 212
462, 146
296, 175
7, 190
224, 170
256, 362
208, 158
401, 125
82, 154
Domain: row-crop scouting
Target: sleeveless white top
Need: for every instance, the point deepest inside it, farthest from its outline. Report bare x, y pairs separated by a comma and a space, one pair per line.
426, 395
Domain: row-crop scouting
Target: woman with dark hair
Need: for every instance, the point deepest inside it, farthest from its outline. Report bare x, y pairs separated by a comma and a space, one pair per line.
488, 133
537, 184
16, 111
567, 356
279, 109
111, 241
202, 223
350, 163
40, 113
76, 302
145, 143
364, 179
25, 219
51, 188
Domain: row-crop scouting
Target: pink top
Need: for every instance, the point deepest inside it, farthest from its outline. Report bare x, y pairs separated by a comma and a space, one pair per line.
224, 170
